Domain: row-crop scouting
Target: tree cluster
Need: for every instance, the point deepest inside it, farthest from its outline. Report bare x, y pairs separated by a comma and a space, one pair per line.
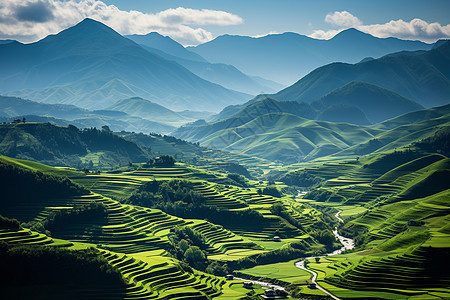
40, 265
300, 178
20, 185
163, 161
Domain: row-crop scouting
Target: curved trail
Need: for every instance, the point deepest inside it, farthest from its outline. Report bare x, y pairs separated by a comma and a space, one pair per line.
347, 244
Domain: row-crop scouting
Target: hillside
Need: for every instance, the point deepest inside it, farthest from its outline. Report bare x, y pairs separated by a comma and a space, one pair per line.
421, 76
92, 66
286, 57
148, 110
285, 131
281, 136
226, 75
401, 135
68, 146
370, 99
165, 44
12, 108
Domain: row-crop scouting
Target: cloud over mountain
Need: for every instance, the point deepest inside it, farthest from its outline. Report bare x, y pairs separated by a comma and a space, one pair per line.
416, 29
43, 17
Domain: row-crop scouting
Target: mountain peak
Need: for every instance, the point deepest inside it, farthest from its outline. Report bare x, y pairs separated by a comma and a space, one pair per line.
87, 31
351, 33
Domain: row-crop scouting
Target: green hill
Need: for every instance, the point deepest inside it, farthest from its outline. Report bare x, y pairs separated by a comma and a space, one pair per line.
148, 110
399, 136
12, 108
376, 103
269, 129
68, 146
281, 136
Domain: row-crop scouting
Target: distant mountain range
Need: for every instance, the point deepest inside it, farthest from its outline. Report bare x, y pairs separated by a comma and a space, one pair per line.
289, 56
226, 75
92, 66
324, 112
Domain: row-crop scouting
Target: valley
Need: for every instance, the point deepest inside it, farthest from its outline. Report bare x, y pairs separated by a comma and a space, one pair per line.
152, 156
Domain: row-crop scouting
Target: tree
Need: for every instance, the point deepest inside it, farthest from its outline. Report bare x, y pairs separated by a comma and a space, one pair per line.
164, 161
271, 191
194, 256
183, 245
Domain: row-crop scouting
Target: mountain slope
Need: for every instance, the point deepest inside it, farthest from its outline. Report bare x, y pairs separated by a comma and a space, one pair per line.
422, 76
276, 135
225, 75
376, 103
93, 66
286, 57
165, 44
61, 114
269, 129
68, 146
147, 110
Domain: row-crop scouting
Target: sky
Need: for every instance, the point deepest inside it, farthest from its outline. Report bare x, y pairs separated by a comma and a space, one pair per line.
192, 22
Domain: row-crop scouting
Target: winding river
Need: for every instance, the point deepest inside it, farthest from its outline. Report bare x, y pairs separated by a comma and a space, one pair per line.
347, 245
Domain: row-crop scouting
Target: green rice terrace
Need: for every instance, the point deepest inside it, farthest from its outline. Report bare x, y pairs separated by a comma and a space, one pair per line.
177, 231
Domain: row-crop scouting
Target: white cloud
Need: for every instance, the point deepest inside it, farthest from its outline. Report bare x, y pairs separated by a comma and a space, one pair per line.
343, 19
324, 35
34, 19
416, 29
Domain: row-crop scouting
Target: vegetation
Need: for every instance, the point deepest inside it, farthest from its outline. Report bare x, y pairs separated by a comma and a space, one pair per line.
29, 267
20, 185
68, 146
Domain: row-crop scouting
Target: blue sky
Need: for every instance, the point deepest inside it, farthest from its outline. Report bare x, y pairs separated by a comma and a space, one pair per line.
195, 21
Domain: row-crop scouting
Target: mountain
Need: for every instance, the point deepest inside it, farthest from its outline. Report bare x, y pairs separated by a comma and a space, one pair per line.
93, 66
286, 57
62, 114
283, 137
148, 110
376, 103
225, 75
286, 130
403, 130
422, 76
165, 44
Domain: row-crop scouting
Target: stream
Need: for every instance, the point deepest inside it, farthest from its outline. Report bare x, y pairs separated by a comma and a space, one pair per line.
347, 245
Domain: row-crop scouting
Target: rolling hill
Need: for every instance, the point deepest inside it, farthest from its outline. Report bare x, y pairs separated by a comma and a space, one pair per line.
376, 103
62, 114
286, 57
92, 66
269, 129
421, 76
148, 110
68, 146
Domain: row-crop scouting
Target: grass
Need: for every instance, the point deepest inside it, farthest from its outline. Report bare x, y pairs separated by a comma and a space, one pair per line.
285, 271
